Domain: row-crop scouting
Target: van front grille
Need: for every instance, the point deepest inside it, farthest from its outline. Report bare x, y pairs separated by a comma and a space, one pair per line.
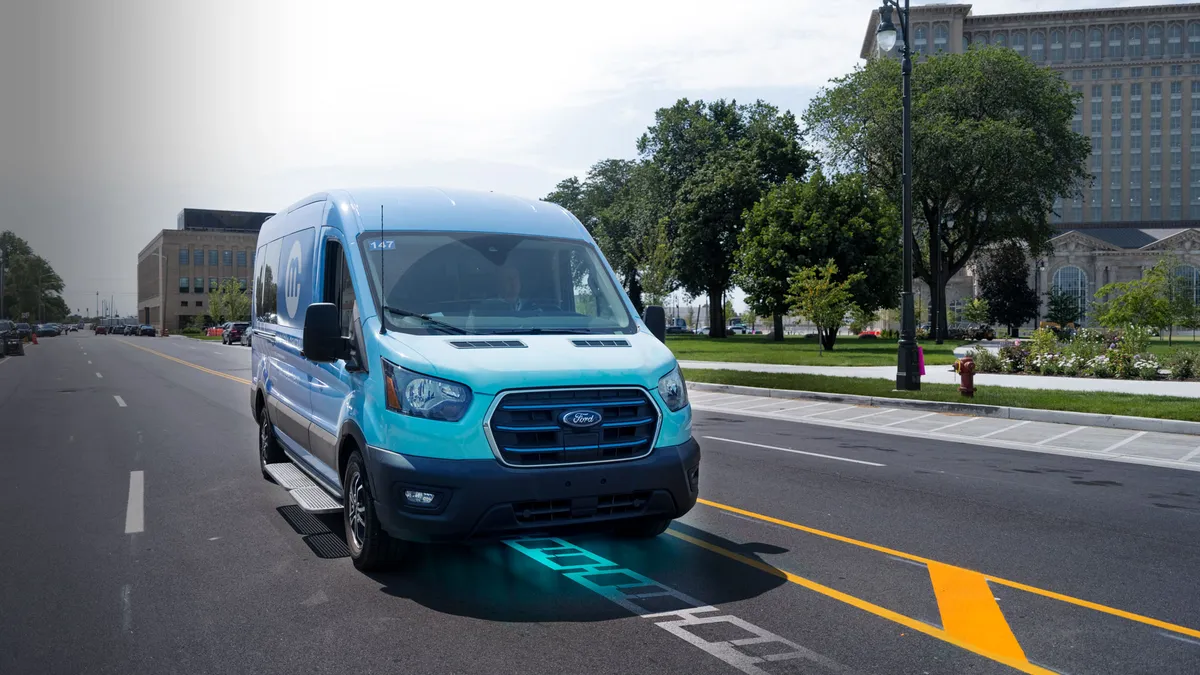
558, 510
573, 426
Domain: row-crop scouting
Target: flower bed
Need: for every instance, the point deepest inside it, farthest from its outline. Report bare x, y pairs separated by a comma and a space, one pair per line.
1090, 353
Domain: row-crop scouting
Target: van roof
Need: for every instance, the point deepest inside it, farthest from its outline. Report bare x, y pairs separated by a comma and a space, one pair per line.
432, 208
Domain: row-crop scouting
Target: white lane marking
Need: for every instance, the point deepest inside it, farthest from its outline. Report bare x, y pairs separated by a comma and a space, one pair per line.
800, 407
135, 514
99, 376
825, 412
1003, 429
1120, 443
910, 419
126, 609
1180, 638
761, 405
120, 401
89, 363
871, 414
1064, 434
1190, 455
952, 424
798, 452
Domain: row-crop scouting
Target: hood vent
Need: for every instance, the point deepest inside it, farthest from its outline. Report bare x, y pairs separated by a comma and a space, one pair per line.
487, 344
601, 343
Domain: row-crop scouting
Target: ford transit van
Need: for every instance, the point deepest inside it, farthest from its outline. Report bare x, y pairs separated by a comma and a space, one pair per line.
451, 366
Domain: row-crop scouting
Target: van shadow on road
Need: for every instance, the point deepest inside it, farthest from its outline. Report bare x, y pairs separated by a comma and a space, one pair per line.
495, 582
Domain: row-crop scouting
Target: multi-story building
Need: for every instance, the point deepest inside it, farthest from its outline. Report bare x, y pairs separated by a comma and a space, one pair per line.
1137, 70
179, 267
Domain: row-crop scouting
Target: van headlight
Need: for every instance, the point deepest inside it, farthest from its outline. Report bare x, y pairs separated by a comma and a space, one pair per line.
410, 393
673, 390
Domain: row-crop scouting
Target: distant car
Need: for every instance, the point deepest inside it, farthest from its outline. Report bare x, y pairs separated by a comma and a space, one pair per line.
245, 340
101, 330
147, 330
11, 343
24, 330
702, 331
738, 328
233, 332
45, 330
131, 329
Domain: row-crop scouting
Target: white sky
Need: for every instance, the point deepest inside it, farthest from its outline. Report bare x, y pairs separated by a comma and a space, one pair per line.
116, 115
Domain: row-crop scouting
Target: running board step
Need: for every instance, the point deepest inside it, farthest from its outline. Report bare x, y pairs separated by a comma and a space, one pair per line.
315, 500
288, 476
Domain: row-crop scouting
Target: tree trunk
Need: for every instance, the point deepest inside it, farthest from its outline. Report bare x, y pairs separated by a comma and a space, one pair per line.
634, 289
716, 314
777, 333
1013, 332
936, 307
943, 281
827, 337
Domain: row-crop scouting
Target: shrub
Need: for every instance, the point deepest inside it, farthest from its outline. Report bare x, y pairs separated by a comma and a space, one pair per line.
1100, 366
889, 334
1183, 364
1047, 364
985, 360
1014, 357
1043, 344
1146, 366
868, 336
1073, 365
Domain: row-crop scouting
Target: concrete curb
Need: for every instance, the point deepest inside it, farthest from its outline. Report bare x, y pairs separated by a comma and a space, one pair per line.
1002, 412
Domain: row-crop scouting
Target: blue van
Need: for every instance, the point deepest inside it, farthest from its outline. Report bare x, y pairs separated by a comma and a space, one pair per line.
453, 366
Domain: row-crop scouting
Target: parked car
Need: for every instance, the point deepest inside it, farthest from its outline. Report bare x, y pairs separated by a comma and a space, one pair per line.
416, 420
24, 330
131, 329
45, 330
702, 331
147, 330
11, 343
245, 340
101, 330
738, 328
233, 332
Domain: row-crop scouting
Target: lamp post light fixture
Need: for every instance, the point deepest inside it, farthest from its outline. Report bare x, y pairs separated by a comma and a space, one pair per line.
908, 373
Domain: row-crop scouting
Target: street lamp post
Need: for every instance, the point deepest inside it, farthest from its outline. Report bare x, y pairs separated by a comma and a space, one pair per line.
908, 373
1037, 293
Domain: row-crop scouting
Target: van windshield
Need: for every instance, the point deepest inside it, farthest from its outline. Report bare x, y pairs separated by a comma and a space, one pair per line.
486, 283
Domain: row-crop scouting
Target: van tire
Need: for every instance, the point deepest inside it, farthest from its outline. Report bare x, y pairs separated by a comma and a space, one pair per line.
643, 528
371, 548
269, 451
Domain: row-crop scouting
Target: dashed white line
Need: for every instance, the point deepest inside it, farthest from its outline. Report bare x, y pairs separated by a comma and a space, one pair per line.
89, 363
761, 405
800, 407
135, 514
953, 424
1055, 437
126, 609
910, 419
1190, 455
120, 401
1002, 430
1120, 443
797, 452
871, 414
99, 376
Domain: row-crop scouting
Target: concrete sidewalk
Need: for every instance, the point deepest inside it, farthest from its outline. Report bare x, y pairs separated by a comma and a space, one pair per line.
944, 374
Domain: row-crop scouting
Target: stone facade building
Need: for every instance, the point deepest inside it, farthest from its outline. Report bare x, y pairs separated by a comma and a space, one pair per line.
178, 268
1138, 72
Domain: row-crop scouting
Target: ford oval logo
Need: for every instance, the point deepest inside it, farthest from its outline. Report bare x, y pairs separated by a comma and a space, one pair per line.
581, 419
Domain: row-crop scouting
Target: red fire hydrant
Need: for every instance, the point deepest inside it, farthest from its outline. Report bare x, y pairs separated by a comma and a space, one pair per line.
33, 337
965, 367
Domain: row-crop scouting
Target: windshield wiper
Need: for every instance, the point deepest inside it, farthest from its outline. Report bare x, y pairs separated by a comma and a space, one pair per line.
541, 331
428, 319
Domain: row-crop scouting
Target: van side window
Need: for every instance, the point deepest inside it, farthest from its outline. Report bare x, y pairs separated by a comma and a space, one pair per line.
338, 287
267, 292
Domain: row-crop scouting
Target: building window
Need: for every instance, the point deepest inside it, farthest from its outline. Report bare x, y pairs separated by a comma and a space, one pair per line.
1135, 196
1095, 73
241, 258
1072, 281
183, 303
1037, 46
1135, 143
1155, 71
1056, 46
1115, 49
1176, 70
1189, 274
212, 284
184, 284
966, 42
1095, 129
242, 283
1176, 89
184, 256
1194, 39
1136, 72
199, 303
227, 258
213, 257
1000, 40
1176, 176
1156, 124
1135, 124
920, 43
1075, 48
1175, 40
1154, 47
1095, 41
1077, 126
198, 258
198, 285
1176, 156
1076, 75
941, 36
1135, 43
1115, 73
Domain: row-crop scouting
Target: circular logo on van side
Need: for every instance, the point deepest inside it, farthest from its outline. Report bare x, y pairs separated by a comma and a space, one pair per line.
581, 419
291, 280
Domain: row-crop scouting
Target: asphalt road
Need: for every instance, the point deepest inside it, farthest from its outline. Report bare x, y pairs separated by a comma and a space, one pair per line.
139, 537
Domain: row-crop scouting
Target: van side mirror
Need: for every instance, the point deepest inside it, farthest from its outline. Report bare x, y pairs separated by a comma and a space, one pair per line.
323, 341
655, 318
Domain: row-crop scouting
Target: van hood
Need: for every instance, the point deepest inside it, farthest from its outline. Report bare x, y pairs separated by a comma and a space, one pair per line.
484, 364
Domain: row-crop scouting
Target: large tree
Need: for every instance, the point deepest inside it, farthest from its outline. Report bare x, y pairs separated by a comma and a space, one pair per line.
805, 223
30, 282
714, 160
992, 149
818, 296
1004, 283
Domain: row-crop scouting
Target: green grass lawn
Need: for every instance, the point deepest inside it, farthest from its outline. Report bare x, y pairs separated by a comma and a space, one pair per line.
1140, 405
205, 337
847, 351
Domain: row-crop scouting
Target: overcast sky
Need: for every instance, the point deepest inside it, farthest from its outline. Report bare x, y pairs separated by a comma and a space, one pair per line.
114, 115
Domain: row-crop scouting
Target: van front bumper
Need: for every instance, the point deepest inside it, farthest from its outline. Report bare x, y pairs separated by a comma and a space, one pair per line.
483, 499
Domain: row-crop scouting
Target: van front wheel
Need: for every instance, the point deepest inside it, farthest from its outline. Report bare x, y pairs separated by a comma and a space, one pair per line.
643, 528
371, 548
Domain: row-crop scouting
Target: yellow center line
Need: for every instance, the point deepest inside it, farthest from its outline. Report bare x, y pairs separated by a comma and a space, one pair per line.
1175, 628
187, 363
908, 622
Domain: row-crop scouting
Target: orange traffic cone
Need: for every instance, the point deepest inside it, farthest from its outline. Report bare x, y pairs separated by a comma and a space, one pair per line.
33, 336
